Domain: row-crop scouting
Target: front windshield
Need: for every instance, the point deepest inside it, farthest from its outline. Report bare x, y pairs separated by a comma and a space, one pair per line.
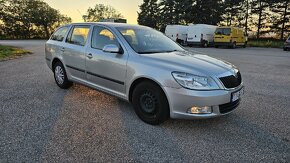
223, 31
146, 40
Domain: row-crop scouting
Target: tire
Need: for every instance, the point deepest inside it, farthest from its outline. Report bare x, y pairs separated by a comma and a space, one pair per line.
234, 46
205, 44
245, 45
150, 103
216, 46
285, 49
60, 76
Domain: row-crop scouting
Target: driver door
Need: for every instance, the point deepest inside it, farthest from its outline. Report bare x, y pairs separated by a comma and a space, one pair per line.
107, 71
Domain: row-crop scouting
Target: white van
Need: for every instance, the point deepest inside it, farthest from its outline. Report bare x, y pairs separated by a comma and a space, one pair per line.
177, 33
200, 34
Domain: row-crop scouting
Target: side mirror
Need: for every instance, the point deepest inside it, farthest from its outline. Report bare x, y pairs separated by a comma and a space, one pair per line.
111, 49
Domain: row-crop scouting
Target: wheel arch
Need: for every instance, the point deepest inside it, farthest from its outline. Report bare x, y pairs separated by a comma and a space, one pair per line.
54, 61
140, 80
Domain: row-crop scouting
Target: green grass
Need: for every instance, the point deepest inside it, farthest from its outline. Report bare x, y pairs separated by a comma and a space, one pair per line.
266, 44
9, 52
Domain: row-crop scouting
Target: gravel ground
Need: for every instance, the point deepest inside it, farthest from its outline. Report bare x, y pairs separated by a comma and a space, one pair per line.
41, 123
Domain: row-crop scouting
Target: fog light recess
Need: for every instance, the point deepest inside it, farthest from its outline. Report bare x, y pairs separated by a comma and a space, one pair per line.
200, 110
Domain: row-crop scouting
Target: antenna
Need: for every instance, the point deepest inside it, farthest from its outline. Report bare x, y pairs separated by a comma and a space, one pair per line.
83, 16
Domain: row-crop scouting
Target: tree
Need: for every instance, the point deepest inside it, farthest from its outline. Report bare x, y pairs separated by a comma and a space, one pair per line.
15, 18
208, 12
101, 11
45, 16
28, 18
260, 9
184, 11
167, 15
282, 17
246, 9
233, 12
149, 14
175, 12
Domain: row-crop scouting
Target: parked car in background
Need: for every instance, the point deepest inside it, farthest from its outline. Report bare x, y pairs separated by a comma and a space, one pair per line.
230, 36
176, 33
287, 44
200, 34
143, 66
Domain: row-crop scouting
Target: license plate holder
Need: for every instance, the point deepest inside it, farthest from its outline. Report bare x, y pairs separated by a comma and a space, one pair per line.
237, 94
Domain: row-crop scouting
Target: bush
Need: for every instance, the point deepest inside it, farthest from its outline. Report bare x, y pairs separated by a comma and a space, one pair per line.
266, 43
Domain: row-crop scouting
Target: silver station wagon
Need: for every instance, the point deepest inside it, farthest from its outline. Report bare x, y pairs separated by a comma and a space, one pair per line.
146, 68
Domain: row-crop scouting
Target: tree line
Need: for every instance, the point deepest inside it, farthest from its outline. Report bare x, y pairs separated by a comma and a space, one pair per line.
31, 19
22, 19
258, 16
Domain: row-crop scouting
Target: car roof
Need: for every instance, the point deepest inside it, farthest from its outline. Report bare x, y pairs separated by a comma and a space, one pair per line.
110, 24
231, 27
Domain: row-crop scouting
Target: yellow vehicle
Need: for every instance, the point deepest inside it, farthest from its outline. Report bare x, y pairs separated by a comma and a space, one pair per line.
230, 36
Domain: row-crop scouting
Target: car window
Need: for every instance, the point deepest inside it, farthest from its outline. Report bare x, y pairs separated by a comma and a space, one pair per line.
78, 35
59, 34
130, 37
146, 40
288, 38
223, 31
102, 37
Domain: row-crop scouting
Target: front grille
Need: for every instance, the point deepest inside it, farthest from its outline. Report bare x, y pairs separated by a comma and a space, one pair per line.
232, 81
225, 108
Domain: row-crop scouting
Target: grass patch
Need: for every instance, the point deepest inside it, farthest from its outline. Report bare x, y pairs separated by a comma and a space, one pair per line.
10, 52
266, 44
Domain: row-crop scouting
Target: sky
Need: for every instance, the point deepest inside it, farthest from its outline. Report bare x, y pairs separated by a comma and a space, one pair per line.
76, 8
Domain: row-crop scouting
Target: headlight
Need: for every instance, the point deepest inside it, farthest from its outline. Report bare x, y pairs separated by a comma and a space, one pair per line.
194, 82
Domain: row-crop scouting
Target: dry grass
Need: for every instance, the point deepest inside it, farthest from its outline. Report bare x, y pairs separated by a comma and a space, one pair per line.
9, 52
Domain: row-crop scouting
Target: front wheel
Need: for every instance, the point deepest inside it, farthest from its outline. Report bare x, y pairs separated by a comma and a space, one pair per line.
150, 103
60, 76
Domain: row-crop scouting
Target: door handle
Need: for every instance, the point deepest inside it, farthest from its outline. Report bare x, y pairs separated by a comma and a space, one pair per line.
90, 56
62, 49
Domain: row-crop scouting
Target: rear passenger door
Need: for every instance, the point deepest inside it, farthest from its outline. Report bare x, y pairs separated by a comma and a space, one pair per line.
74, 51
55, 43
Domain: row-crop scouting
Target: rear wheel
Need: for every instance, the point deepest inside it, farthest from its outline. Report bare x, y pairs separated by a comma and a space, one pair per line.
150, 103
60, 76
285, 49
234, 45
216, 46
205, 44
245, 45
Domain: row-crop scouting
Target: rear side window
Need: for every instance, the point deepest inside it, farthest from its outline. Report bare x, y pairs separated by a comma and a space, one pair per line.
59, 34
78, 35
102, 37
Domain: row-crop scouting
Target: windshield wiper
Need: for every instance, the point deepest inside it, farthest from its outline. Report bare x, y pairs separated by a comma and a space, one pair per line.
168, 51
147, 52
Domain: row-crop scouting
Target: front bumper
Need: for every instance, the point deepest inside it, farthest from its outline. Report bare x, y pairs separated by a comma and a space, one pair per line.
287, 45
194, 43
223, 43
180, 100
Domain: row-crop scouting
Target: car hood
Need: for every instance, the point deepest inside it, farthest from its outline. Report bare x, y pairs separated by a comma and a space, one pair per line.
190, 62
